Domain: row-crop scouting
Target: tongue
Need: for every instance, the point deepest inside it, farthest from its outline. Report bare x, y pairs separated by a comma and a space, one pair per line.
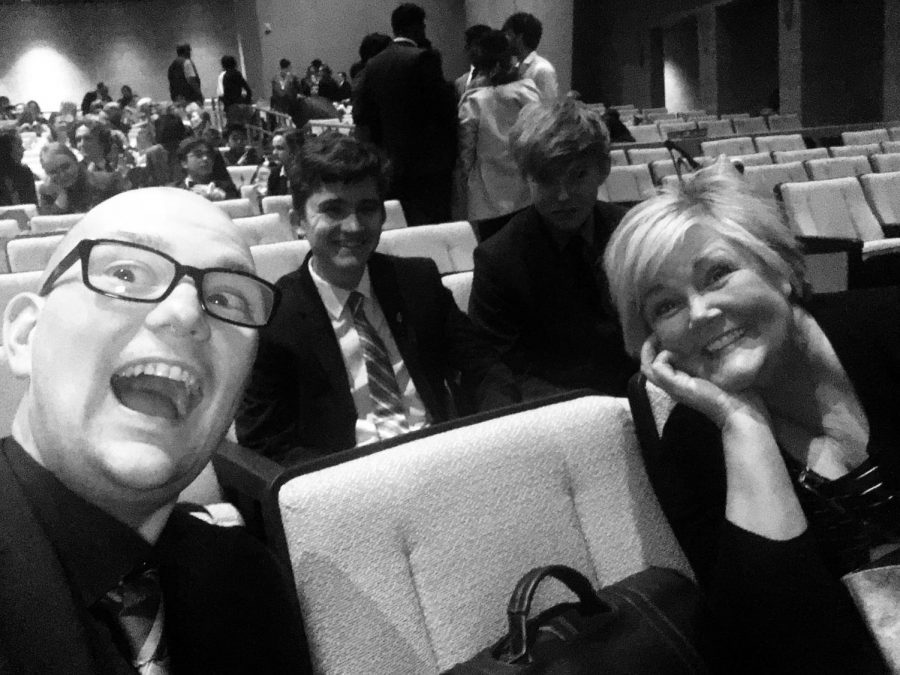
149, 395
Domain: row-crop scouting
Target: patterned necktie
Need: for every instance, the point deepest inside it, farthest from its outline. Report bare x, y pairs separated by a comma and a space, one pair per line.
137, 605
390, 416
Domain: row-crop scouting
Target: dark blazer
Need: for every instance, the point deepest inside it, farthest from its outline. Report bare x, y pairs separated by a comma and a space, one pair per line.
408, 109
284, 94
299, 397
277, 184
235, 88
780, 604
555, 332
225, 601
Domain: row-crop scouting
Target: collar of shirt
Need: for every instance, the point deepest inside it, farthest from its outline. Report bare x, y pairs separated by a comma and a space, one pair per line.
405, 41
335, 298
95, 549
528, 60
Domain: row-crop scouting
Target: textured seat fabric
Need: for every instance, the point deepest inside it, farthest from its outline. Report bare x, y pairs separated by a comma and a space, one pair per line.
837, 167
765, 178
646, 155
617, 157
784, 122
395, 217
40, 224
264, 229
753, 159
742, 145
855, 150
750, 125
236, 208
784, 156
242, 175
782, 142
30, 253
862, 137
883, 192
631, 183
886, 162
460, 284
404, 559
273, 261
645, 133
715, 128
830, 208
280, 204
450, 245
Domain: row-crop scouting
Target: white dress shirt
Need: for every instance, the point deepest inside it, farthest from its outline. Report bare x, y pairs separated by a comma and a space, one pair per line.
335, 301
541, 71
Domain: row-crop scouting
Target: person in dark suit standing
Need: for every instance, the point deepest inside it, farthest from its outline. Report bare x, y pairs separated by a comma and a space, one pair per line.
539, 292
286, 143
405, 106
135, 349
184, 82
285, 89
364, 345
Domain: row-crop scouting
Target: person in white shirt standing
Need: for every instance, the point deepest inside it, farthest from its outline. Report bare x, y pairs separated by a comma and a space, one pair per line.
524, 31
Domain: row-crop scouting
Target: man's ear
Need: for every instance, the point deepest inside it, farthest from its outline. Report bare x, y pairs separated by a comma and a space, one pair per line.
19, 321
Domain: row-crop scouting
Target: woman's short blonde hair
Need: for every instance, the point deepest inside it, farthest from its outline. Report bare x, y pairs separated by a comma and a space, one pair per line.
718, 198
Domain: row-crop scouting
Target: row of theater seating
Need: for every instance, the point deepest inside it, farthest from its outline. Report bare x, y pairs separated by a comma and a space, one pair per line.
28, 240
728, 126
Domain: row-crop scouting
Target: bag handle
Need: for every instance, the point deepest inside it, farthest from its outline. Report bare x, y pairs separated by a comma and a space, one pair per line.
523, 595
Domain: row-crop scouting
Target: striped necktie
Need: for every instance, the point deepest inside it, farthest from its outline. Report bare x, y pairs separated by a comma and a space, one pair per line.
137, 605
390, 415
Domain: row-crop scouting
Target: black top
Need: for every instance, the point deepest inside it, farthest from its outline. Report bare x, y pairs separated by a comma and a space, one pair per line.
227, 608
17, 186
780, 603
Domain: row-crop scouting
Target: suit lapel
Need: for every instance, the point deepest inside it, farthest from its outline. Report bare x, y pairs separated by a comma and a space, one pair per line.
40, 622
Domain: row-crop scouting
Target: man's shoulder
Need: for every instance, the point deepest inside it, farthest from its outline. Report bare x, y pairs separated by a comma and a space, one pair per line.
608, 214
403, 266
541, 63
517, 235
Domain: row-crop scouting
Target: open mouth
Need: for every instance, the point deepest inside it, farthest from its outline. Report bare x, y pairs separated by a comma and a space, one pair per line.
726, 339
157, 389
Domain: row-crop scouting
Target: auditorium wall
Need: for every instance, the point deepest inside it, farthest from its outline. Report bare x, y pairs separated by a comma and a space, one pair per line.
58, 52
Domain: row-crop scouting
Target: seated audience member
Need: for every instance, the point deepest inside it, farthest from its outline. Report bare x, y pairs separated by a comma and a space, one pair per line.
286, 144
128, 97
239, 153
779, 467
344, 90
495, 186
163, 166
70, 187
135, 350
328, 86
618, 132
539, 292
62, 128
94, 142
32, 119
524, 31
101, 94
235, 90
362, 342
6, 110
16, 179
309, 85
113, 116
197, 160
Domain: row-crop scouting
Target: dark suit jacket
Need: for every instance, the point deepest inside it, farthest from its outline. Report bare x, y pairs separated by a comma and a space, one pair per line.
284, 94
409, 109
298, 393
225, 601
179, 84
555, 333
780, 604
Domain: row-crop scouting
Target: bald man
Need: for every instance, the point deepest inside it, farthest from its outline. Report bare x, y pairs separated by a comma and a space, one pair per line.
136, 349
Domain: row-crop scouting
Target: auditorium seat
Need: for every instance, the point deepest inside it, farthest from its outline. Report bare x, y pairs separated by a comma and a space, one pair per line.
242, 175
787, 122
395, 218
646, 155
837, 167
765, 178
618, 157
830, 208
890, 146
715, 128
883, 192
734, 116
855, 150
661, 168
645, 133
12, 388
886, 162
460, 284
273, 261
753, 159
864, 137
784, 156
236, 208
9, 228
629, 184
695, 115
23, 213
654, 111
251, 193
742, 145
650, 409
894, 133
27, 253
264, 229
780, 142
449, 245
55, 223
404, 553
280, 204
750, 125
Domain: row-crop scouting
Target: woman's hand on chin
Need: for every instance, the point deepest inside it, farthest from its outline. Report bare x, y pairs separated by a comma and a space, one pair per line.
720, 406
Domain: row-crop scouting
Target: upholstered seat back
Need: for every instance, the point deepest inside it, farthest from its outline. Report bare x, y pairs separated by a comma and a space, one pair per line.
450, 245
28, 253
742, 145
273, 261
404, 560
265, 229
782, 142
830, 208
631, 183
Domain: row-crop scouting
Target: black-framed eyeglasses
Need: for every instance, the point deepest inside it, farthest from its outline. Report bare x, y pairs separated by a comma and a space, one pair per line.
138, 273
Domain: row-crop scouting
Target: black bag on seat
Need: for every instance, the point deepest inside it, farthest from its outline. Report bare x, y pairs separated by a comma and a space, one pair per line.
649, 622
